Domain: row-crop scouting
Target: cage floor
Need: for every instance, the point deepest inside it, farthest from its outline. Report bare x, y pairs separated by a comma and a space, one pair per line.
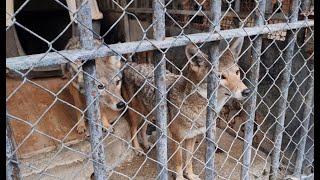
227, 164
71, 165
37, 109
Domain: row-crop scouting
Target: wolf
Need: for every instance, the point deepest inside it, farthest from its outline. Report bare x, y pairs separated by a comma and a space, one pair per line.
109, 75
187, 98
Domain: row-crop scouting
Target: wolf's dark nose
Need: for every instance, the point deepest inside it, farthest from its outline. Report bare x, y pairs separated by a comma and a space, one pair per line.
121, 105
246, 92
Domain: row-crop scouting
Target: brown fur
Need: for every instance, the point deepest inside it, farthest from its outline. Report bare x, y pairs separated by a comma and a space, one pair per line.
135, 75
109, 74
187, 96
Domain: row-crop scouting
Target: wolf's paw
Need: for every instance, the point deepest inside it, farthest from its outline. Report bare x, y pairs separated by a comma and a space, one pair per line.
108, 129
147, 144
81, 128
138, 151
192, 176
99, 15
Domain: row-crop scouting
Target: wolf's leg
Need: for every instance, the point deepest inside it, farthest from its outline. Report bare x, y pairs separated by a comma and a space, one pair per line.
81, 128
105, 122
134, 120
143, 132
177, 157
190, 150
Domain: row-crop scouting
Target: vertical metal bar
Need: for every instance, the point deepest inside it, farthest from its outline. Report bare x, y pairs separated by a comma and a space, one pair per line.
126, 23
237, 5
12, 166
91, 92
236, 20
268, 7
305, 7
305, 125
284, 88
213, 83
126, 26
136, 3
250, 105
160, 71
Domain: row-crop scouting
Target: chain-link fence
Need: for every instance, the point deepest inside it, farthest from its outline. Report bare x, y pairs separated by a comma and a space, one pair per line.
195, 89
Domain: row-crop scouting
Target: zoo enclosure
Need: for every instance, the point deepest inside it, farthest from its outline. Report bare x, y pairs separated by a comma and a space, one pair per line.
261, 14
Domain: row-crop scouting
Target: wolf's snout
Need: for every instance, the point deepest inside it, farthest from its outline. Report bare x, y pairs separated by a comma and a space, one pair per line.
246, 92
121, 105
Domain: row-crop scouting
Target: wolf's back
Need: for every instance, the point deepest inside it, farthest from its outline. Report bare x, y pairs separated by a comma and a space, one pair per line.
136, 76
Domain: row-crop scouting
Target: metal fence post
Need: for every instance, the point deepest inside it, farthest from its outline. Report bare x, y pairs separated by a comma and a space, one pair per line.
282, 104
12, 165
305, 8
160, 93
212, 86
91, 92
305, 124
253, 78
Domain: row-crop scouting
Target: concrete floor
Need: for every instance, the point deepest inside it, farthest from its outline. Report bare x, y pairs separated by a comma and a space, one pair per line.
69, 163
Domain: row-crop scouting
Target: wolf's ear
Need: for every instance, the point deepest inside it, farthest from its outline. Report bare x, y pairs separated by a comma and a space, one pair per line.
236, 47
115, 61
196, 57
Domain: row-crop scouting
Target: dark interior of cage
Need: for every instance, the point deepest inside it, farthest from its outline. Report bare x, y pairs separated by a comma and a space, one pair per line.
47, 19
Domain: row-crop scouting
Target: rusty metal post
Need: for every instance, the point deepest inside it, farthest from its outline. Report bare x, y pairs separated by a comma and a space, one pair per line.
91, 92
159, 75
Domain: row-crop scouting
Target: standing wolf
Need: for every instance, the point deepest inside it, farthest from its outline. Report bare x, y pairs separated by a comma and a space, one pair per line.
187, 97
108, 73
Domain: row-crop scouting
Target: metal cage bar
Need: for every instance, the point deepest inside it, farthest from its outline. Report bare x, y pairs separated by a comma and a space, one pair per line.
159, 75
91, 92
12, 163
284, 90
305, 124
253, 77
305, 7
212, 91
53, 58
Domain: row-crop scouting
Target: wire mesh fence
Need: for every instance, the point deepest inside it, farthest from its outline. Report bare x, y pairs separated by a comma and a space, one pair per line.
195, 89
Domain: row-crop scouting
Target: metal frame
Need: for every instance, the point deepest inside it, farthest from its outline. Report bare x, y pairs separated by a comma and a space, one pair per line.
65, 56
89, 53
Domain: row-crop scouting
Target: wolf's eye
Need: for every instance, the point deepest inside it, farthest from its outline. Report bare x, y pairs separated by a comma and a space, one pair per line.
118, 82
238, 72
100, 86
